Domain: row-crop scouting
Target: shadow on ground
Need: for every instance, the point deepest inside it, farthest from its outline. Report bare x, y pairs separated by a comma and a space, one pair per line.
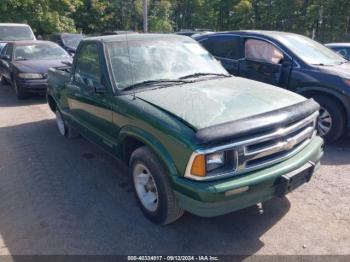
337, 153
8, 98
63, 196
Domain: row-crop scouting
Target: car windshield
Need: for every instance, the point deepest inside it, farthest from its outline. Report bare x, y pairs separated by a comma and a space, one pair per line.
39, 51
15, 33
134, 62
72, 40
310, 51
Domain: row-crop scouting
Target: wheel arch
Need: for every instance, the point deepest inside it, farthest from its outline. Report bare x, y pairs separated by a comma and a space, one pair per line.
310, 92
51, 102
131, 138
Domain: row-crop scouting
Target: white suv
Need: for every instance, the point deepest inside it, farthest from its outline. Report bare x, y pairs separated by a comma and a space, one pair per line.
15, 32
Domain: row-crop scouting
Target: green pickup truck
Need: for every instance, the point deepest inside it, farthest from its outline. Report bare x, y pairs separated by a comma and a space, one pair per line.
194, 137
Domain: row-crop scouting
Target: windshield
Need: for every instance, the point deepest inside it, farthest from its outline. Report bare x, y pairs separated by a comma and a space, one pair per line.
310, 51
72, 41
15, 33
147, 60
40, 51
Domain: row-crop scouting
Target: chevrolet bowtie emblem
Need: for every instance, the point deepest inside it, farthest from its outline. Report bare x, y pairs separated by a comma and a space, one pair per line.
290, 143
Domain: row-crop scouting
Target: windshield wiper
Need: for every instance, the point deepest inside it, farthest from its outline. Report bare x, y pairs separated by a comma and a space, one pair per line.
22, 59
152, 82
203, 74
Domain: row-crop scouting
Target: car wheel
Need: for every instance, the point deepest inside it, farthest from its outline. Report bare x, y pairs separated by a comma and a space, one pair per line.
331, 121
152, 187
19, 92
61, 126
64, 128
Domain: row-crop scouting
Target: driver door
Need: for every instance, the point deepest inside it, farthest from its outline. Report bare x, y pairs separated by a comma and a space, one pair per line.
89, 97
265, 62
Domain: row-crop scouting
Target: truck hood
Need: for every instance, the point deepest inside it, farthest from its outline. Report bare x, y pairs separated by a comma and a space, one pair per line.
207, 103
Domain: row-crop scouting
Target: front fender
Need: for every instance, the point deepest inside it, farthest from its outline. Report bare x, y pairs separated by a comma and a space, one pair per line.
152, 142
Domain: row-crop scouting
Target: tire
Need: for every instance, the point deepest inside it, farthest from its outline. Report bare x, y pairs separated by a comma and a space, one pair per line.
19, 92
63, 127
2, 80
331, 122
149, 176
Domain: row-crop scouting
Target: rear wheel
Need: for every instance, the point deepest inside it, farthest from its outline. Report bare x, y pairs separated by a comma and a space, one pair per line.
331, 122
64, 128
152, 187
2, 80
61, 126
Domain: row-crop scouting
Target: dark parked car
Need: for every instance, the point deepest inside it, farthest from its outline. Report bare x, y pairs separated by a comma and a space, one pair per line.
25, 65
290, 61
68, 41
14, 32
342, 49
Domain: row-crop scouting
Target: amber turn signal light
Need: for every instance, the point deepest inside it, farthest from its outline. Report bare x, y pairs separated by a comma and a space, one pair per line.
198, 166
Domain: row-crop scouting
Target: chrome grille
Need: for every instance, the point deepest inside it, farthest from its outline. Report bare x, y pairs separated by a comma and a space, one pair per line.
261, 150
275, 146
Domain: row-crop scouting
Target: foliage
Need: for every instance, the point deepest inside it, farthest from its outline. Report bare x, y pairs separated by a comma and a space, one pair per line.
45, 16
326, 20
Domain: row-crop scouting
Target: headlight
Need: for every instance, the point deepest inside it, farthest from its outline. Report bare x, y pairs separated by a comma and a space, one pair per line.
204, 166
214, 161
30, 76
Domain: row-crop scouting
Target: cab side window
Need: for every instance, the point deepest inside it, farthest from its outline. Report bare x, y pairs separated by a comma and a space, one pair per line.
88, 69
259, 50
223, 46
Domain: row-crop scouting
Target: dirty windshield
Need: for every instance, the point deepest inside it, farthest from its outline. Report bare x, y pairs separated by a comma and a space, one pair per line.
134, 61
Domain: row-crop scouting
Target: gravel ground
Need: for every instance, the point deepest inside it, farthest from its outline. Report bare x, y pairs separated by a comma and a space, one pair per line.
61, 196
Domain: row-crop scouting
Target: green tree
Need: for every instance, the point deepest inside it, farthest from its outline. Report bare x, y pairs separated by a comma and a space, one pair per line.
160, 18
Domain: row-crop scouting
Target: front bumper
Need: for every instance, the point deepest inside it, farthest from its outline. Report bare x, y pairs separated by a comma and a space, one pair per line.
33, 86
209, 198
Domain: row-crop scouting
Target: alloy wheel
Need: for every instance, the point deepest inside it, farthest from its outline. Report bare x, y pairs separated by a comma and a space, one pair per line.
324, 124
145, 186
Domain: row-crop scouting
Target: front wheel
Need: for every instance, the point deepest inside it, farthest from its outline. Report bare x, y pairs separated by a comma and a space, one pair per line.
152, 187
19, 91
331, 121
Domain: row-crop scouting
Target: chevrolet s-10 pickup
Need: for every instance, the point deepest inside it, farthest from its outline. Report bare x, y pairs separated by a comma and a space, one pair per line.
194, 137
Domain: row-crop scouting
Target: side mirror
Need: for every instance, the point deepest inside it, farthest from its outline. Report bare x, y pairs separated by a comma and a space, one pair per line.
100, 89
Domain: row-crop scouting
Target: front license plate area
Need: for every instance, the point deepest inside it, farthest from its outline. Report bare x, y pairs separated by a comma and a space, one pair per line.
293, 180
